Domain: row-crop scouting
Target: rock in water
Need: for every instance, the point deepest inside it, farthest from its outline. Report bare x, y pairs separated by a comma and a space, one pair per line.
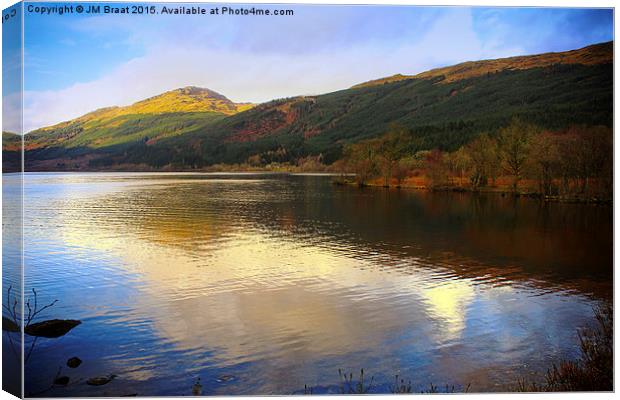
9, 325
61, 381
100, 380
52, 329
74, 362
197, 388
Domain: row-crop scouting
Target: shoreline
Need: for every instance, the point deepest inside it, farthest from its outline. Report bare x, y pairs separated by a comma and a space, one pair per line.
485, 190
504, 192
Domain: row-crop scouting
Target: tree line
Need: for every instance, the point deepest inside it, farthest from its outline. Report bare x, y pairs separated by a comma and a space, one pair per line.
520, 157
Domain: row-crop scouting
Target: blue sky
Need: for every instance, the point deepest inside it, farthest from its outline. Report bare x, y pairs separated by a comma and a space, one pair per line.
11, 70
77, 63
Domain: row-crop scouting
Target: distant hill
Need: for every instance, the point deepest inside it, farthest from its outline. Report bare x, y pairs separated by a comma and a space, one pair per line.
11, 152
168, 114
446, 107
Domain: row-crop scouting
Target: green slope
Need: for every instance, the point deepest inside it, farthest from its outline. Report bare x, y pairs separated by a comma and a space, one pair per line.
168, 114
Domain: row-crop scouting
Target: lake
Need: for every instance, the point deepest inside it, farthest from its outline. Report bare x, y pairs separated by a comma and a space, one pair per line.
265, 283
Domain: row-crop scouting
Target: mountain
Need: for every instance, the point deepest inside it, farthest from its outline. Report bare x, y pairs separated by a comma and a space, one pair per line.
168, 114
187, 99
445, 108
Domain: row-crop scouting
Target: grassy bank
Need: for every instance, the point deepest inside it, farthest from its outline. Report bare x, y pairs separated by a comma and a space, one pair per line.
502, 186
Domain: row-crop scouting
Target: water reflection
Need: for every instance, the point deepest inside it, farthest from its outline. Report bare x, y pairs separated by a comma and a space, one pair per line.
12, 240
282, 280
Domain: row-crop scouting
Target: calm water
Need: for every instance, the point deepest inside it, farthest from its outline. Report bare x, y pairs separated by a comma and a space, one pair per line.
261, 284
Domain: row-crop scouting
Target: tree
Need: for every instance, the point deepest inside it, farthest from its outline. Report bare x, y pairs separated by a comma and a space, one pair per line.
514, 145
597, 146
545, 160
483, 156
437, 170
403, 169
361, 159
586, 154
390, 149
461, 162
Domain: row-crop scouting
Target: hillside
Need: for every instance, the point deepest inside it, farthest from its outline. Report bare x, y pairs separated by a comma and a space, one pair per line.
168, 114
592, 55
445, 108
11, 154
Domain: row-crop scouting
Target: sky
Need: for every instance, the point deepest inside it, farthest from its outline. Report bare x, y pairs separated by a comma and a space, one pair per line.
11, 70
76, 63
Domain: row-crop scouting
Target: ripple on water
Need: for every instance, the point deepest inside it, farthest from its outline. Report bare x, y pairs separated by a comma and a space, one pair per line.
280, 281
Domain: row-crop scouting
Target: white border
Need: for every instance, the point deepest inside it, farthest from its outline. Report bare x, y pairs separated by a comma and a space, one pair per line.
505, 3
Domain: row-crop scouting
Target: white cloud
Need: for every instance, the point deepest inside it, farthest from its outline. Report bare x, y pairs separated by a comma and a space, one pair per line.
242, 73
11, 113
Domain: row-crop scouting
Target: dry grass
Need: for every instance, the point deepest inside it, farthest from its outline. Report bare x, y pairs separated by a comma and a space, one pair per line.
593, 371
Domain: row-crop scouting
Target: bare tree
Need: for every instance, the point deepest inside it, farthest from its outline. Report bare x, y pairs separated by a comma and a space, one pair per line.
483, 157
545, 161
437, 170
514, 145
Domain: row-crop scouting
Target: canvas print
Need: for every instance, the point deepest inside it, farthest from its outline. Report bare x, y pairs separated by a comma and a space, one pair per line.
206, 199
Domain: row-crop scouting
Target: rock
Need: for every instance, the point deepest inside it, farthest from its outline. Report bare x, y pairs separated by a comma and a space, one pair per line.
197, 388
9, 325
62, 381
53, 328
225, 378
74, 362
100, 380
